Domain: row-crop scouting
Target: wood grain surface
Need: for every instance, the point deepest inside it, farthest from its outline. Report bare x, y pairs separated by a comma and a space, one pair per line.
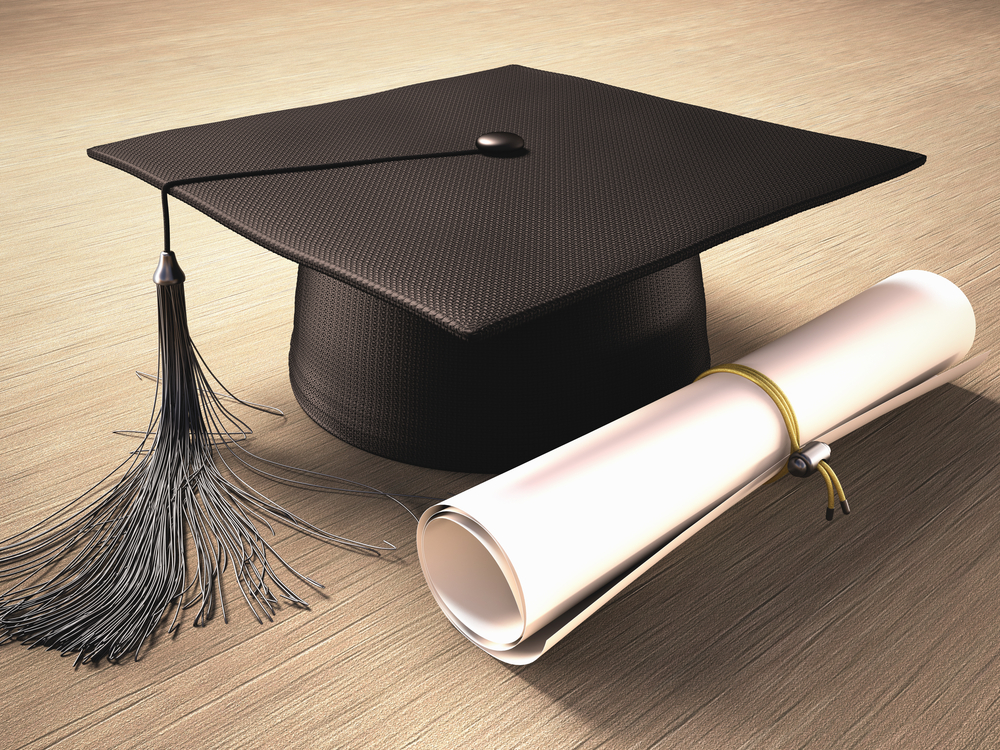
769, 629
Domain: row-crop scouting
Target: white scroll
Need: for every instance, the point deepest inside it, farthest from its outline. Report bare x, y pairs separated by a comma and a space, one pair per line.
520, 560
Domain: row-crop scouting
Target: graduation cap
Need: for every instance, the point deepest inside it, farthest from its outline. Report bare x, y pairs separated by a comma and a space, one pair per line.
494, 264
490, 266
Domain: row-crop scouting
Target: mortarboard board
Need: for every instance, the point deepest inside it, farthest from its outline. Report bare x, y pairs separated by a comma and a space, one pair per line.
469, 307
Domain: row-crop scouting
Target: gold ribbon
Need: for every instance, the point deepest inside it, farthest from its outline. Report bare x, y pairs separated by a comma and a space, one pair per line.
833, 486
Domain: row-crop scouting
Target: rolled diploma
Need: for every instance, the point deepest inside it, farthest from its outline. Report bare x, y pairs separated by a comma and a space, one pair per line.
519, 560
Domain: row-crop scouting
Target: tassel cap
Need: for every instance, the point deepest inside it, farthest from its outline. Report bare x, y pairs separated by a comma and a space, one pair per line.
168, 271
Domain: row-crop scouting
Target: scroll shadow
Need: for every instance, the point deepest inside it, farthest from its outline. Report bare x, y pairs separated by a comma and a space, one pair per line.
772, 620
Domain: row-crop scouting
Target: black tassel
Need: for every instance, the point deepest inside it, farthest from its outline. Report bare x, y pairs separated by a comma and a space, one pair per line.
98, 580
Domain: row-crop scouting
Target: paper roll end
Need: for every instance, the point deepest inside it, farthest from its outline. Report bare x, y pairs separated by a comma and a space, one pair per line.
471, 580
961, 317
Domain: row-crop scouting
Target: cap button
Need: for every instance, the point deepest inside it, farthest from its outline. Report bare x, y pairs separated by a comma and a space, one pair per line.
499, 143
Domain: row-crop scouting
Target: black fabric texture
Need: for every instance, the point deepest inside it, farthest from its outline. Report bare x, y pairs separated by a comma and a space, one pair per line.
469, 311
396, 385
615, 184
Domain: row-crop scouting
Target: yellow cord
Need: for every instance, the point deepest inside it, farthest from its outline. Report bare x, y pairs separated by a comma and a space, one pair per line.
833, 486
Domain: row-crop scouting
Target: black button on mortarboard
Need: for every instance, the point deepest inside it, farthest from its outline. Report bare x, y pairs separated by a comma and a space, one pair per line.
469, 313
500, 143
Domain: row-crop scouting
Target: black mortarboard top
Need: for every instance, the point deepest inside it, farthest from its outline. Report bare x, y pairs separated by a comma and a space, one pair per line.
469, 308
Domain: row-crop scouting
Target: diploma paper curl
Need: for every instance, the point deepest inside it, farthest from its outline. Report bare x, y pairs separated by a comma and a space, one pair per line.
520, 560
